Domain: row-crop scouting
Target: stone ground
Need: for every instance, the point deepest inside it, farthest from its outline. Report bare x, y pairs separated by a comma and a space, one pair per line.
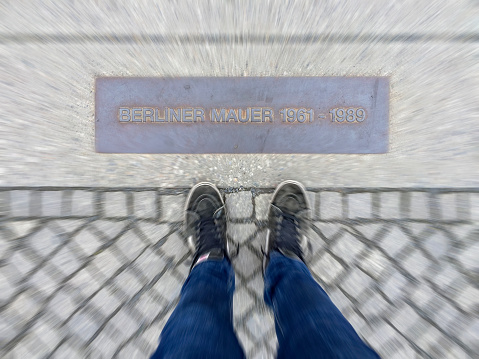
92, 256
95, 272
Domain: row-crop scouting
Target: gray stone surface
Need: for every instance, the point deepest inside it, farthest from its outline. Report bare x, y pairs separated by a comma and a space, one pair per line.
51, 53
83, 203
474, 201
115, 204
262, 203
390, 205
330, 205
360, 205
51, 203
79, 286
145, 205
172, 208
419, 205
4, 203
19, 203
239, 205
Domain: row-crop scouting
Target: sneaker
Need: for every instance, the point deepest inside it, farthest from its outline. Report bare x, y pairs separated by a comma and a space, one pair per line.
288, 222
205, 223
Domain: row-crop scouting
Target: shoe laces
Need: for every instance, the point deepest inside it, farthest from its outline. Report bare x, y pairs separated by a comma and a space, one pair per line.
288, 235
208, 235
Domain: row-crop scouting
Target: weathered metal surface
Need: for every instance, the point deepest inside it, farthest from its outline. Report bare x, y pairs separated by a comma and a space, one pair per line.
242, 115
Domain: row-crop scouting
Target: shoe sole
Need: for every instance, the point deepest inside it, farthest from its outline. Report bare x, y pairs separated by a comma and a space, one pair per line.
190, 243
308, 204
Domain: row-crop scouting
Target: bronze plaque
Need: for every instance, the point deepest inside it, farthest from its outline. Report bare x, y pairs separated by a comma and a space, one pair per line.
242, 115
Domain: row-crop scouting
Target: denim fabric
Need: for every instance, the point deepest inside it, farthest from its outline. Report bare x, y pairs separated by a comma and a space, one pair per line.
201, 326
308, 324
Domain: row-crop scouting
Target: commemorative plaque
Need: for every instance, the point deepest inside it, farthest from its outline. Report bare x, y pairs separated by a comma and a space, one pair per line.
242, 115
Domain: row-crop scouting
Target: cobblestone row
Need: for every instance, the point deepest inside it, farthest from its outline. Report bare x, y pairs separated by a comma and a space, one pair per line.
97, 272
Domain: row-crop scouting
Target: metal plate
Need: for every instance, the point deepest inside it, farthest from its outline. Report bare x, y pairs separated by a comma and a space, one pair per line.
242, 115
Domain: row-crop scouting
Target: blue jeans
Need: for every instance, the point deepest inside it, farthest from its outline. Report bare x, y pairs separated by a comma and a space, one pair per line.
308, 324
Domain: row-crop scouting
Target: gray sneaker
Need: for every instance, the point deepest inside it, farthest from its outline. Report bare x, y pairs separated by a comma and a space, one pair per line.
289, 221
205, 223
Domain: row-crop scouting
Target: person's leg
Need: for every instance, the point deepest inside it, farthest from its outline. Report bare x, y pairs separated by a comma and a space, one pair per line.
201, 325
308, 324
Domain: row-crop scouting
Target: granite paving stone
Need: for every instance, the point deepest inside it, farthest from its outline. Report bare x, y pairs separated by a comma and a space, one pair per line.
130, 245
19, 203
145, 204
374, 262
67, 350
246, 262
395, 241
240, 232
447, 277
474, 201
259, 324
115, 204
52, 203
394, 287
84, 283
419, 205
327, 268
83, 325
245, 340
450, 209
45, 241
7, 288
437, 244
62, 305
83, 203
149, 305
22, 262
126, 285
469, 256
469, 335
66, 261
468, 299
107, 262
348, 247
390, 205
87, 241
107, 229
49, 336
175, 247
359, 205
340, 300
105, 343
153, 232
416, 263
242, 302
172, 208
150, 263
4, 203
168, 286
262, 203
330, 205
356, 282
239, 205
423, 295
22, 228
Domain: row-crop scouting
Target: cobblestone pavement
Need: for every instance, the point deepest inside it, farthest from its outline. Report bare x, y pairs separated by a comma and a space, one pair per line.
97, 272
